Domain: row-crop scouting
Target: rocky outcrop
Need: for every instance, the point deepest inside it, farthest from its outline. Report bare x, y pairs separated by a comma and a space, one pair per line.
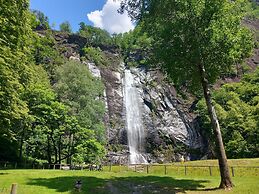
166, 119
169, 125
172, 130
164, 112
115, 109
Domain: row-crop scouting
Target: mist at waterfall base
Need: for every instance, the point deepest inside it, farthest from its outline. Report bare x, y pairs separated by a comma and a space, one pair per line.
135, 130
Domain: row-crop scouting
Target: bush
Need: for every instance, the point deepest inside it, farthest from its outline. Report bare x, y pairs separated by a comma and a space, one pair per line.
95, 55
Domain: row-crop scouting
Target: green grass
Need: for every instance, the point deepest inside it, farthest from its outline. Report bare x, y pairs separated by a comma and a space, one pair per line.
124, 180
232, 162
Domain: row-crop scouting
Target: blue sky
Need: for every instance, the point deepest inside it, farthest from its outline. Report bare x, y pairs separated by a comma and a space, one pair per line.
99, 13
74, 11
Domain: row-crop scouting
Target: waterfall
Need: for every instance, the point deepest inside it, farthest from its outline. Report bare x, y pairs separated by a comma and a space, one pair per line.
135, 129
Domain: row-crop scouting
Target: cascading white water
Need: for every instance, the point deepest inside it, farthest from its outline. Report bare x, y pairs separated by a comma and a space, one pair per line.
135, 129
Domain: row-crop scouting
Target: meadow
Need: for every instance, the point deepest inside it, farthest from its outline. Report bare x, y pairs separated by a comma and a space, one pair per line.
190, 177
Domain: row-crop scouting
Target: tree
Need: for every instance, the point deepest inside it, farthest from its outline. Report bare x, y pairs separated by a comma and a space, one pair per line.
195, 42
236, 104
90, 151
15, 72
45, 53
95, 36
135, 46
65, 27
51, 128
41, 19
96, 55
34, 125
79, 90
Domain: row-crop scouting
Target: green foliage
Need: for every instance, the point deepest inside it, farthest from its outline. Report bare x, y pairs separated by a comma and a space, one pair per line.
95, 36
15, 71
166, 152
65, 27
35, 126
14, 22
95, 55
89, 151
204, 32
252, 10
135, 46
54, 134
41, 21
45, 53
48, 116
237, 108
78, 89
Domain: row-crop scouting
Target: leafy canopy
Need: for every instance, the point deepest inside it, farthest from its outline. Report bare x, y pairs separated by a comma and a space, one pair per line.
95, 36
187, 33
79, 90
237, 105
65, 27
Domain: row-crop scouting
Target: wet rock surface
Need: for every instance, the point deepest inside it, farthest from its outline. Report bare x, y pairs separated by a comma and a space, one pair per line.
169, 126
166, 119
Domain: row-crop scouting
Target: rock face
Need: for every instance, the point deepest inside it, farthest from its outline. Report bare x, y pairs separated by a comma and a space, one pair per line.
171, 130
164, 113
167, 122
115, 109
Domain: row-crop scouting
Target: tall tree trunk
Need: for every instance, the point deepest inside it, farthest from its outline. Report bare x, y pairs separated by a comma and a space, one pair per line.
49, 150
55, 149
59, 149
226, 182
21, 145
70, 148
22, 135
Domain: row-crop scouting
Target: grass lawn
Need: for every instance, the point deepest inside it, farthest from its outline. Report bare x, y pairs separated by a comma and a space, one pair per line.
123, 180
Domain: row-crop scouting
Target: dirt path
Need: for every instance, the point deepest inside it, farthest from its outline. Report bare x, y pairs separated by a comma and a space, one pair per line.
131, 188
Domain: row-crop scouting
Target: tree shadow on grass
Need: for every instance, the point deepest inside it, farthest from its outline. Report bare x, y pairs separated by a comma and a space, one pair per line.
155, 184
121, 185
3, 173
65, 184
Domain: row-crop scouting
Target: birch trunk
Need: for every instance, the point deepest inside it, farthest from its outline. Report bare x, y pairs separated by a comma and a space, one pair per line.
226, 182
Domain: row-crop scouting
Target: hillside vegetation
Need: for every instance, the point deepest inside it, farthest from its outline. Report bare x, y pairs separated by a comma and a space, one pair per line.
51, 107
237, 105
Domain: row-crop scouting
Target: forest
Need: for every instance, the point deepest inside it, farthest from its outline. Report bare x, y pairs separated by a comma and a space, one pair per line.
52, 108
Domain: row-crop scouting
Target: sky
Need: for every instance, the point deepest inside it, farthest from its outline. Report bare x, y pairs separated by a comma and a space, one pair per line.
98, 13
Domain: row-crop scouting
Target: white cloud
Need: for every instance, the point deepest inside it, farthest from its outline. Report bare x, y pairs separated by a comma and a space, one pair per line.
96, 18
109, 19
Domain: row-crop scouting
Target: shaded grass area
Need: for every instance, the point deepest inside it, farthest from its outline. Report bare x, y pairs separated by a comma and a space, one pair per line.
131, 184
50, 181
